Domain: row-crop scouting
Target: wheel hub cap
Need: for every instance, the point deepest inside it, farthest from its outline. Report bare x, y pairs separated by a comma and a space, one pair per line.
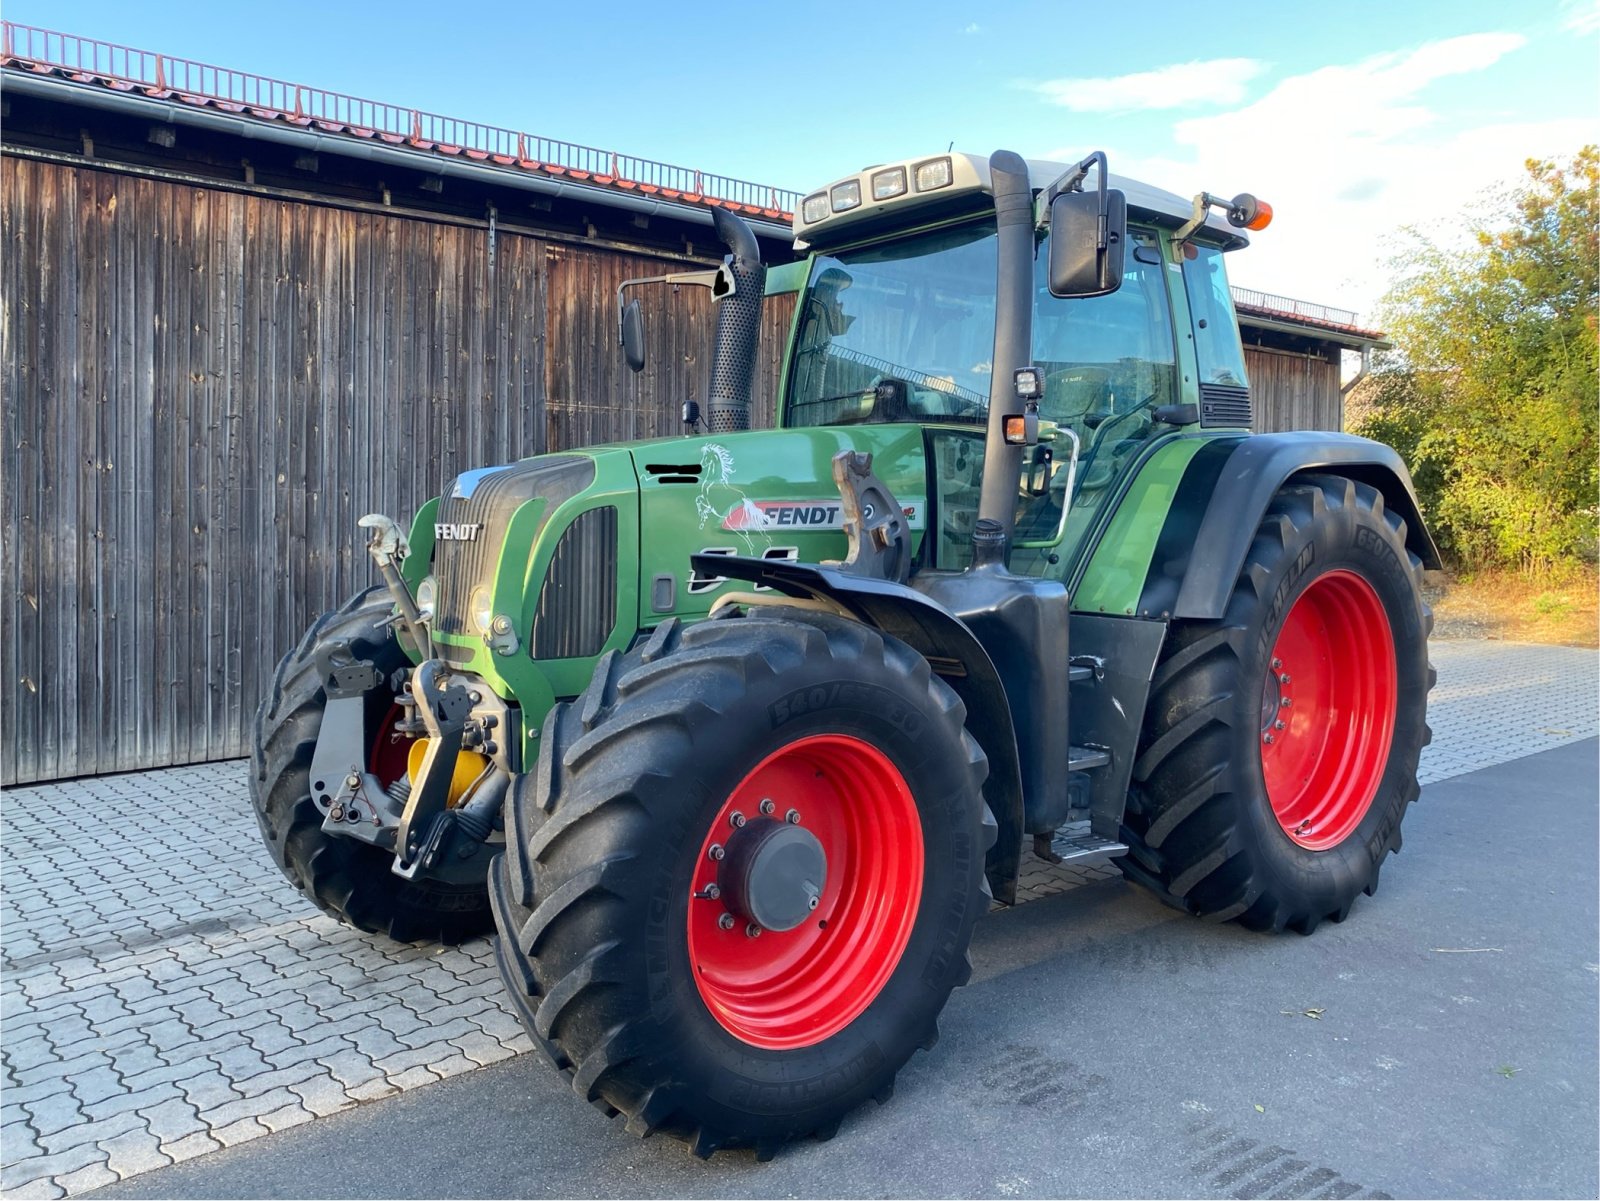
773, 873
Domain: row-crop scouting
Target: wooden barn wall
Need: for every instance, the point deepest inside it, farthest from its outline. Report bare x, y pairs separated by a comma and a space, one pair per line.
1294, 391
203, 390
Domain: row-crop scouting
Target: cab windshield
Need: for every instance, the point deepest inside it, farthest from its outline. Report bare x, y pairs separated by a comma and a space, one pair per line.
902, 331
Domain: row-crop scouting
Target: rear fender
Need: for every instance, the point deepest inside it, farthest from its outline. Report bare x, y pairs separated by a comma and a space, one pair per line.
955, 656
1251, 476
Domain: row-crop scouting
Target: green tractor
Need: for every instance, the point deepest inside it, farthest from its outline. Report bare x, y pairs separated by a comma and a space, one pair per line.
735, 736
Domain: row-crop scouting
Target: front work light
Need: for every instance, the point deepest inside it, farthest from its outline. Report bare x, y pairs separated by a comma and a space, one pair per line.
482, 603
933, 174
886, 185
815, 208
845, 196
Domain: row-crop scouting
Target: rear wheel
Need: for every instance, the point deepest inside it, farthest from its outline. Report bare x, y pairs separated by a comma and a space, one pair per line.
346, 878
740, 886
1281, 743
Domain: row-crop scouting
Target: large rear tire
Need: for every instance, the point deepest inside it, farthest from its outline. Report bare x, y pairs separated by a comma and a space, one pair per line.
345, 878
1281, 743
638, 979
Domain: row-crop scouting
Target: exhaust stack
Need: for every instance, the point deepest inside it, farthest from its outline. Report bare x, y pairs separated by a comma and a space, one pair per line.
733, 362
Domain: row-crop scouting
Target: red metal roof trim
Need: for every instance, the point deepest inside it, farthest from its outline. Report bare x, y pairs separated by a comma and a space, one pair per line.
44, 52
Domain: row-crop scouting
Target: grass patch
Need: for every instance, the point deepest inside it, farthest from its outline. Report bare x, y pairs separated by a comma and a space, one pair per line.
1506, 606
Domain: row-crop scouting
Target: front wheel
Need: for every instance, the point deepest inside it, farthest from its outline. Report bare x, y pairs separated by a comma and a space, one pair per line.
1281, 743
348, 879
740, 886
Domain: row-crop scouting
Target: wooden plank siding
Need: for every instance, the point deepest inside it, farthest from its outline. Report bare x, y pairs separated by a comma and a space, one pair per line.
204, 389
1294, 390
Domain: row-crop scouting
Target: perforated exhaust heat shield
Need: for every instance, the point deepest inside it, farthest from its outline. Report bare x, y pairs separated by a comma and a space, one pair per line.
733, 362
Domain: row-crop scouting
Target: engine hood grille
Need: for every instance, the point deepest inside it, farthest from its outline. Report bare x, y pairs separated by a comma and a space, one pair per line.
474, 513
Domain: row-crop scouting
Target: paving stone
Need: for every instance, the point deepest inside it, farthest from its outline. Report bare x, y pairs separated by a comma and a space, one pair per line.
283, 1119
413, 1078
85, 1179
134, 1152
452, 1065
172, 1120
97, 1084
190, 1147
208, 1090
238, 1132
372, 1090
49, 1114
321, 1095
480, 1048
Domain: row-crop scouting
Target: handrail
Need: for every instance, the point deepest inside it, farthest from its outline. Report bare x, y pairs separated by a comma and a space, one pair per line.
167, 73
1298, 308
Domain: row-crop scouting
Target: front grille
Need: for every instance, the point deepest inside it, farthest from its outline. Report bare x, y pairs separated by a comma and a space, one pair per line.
578, 603
485, 502
1225, 406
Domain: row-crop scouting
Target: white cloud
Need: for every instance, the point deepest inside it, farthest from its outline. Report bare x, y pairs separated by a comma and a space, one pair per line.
1347, 154
1580, 16
974, 27
1217, 81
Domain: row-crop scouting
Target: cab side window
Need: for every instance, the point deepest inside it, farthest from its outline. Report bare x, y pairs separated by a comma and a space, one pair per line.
1108, 362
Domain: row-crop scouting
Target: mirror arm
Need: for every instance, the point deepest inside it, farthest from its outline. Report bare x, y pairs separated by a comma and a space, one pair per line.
707, 278
1071, 180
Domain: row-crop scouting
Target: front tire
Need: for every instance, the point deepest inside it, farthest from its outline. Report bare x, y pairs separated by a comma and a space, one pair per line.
639, 981
1281, 743
345, 878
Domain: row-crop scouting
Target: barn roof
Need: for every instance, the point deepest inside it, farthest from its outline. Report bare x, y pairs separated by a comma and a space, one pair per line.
247, 97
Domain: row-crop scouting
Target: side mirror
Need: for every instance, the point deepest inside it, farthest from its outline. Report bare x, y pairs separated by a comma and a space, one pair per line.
1087, 242
633, 351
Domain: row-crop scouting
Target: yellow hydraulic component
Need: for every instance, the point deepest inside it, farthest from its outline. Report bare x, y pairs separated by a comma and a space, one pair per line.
469, 766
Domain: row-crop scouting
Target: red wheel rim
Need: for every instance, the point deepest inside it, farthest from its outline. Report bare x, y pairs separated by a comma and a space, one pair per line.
387, 760
1328, 706
795, 988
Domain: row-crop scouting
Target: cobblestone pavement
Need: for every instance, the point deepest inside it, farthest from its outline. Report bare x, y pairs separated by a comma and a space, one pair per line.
166, 993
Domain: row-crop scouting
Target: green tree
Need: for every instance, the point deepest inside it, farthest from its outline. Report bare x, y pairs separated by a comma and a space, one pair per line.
1492, 392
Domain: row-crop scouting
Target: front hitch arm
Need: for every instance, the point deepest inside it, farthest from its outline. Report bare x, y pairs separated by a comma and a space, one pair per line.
443, 705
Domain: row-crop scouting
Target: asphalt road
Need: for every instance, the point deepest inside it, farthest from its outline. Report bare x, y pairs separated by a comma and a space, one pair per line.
1111, 1047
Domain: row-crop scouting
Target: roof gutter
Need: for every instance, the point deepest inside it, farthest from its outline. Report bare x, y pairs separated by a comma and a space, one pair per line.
422, 161
1349, 339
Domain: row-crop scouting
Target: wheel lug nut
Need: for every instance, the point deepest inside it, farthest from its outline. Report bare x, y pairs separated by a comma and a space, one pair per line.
1268, 739
1284, 702
752, 931
709, 893
1277, 663
792, 817
1284, 678
736, 819
726, 921
767, 806
1279, 725
811, 903
716, 851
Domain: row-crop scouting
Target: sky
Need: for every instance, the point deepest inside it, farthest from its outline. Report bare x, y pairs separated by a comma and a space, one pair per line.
1352, 119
